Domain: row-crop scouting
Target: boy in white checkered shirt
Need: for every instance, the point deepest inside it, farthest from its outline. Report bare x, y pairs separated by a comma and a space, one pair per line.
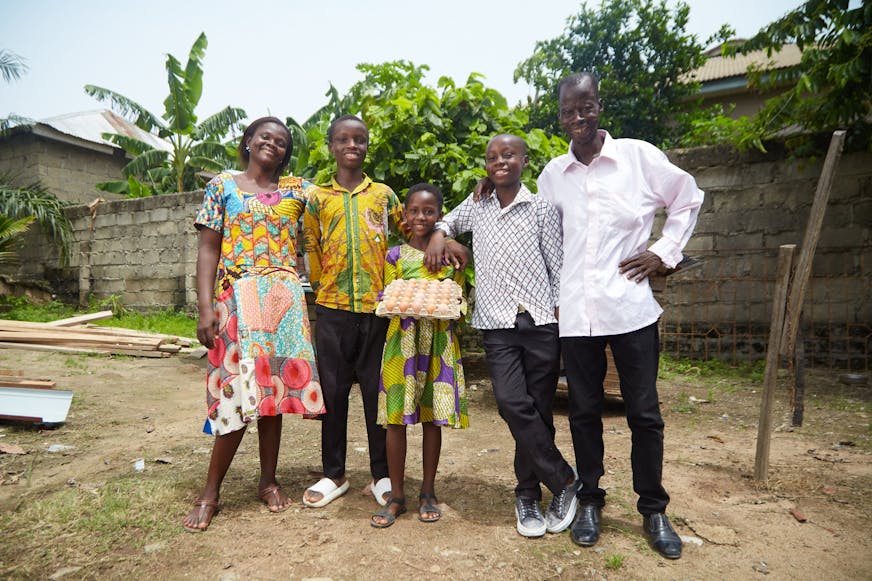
517, 251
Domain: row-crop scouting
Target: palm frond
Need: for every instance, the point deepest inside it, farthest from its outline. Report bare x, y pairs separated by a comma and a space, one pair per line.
7, 123
12, 66
127, 108
10, 230
33, 200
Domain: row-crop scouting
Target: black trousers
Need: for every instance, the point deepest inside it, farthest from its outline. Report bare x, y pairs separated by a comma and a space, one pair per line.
636, 356
349, 346
524, 364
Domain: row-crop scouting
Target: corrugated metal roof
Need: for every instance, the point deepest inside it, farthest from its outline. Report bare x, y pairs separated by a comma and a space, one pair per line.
90, 126
721, 67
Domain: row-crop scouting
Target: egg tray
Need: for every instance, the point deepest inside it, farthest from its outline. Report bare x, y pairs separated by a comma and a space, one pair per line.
421, 299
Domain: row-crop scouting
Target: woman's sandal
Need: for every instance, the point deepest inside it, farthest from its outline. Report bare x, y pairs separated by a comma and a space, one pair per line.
273, 500
204, 510
386, 513
429, 506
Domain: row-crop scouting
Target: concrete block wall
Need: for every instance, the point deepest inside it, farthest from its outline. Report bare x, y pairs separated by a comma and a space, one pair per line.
754, 203
144, 250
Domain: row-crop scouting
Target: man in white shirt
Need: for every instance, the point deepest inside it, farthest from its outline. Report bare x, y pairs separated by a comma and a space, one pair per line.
607, 192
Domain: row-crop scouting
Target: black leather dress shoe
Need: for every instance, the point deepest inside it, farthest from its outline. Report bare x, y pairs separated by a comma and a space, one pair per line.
662, 536
586, 528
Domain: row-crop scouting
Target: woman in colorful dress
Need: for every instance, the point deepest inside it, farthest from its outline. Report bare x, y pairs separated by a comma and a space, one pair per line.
422, 374
252, 313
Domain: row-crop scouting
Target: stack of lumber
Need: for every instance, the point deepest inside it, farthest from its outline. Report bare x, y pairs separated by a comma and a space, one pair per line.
77, 335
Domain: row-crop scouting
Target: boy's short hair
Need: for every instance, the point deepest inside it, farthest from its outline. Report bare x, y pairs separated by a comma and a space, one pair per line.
510, 135
339, 120
577, 79
425, 187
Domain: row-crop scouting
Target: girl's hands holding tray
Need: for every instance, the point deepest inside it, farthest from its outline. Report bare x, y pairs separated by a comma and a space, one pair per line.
421, 298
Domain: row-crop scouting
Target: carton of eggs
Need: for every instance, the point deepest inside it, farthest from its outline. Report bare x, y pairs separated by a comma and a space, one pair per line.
421, 298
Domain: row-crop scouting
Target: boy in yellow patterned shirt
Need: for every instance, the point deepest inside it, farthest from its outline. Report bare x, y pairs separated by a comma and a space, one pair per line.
345, 229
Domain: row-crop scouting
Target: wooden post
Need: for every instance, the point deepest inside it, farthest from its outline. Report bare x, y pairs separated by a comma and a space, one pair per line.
809, 242
776, 330
798, 378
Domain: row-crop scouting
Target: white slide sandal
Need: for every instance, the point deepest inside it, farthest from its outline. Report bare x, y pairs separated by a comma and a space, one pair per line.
380, 488
328, 491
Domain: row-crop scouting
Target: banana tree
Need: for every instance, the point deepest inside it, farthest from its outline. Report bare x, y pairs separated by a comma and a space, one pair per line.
193, 147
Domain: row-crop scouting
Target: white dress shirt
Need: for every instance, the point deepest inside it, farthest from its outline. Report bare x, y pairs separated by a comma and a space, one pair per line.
517, 253
607, 209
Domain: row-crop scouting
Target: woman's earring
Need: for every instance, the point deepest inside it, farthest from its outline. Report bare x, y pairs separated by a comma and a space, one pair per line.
247, 149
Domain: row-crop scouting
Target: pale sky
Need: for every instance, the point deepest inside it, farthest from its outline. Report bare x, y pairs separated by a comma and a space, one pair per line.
279, 57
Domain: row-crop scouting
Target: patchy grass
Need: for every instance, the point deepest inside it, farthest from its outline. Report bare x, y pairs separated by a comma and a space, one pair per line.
167, 321
672, 368
615, 561
19, 309
684, 405
78, 526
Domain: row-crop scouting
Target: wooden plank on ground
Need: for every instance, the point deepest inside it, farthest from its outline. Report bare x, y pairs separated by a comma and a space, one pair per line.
37, 347
176, 339
70, 336
82, 319
93, 351
15, 381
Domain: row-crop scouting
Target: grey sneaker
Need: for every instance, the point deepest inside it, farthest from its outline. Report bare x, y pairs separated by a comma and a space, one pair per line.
561, 511
530, 520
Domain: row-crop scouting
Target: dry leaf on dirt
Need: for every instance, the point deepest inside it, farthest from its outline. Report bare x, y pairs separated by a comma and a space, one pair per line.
11, 449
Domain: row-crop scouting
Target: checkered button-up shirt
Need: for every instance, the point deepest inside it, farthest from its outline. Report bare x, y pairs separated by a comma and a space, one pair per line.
518, 252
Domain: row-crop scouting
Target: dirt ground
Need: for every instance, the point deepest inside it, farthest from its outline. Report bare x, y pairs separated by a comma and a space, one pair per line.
127, 409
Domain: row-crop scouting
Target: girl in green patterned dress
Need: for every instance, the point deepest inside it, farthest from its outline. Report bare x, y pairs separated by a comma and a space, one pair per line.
422, 375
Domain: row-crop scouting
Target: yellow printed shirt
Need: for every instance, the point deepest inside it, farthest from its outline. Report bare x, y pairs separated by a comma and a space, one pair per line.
345, 235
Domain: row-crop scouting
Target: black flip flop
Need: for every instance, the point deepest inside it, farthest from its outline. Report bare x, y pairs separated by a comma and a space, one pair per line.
428, 506
386, 514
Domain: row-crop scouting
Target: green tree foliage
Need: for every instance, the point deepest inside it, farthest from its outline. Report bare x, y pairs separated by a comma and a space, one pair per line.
640, 50
21, 205
195, 146
419, 132
832, 86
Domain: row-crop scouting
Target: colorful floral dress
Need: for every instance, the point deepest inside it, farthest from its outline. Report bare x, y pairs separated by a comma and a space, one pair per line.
422, 373
263, 363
